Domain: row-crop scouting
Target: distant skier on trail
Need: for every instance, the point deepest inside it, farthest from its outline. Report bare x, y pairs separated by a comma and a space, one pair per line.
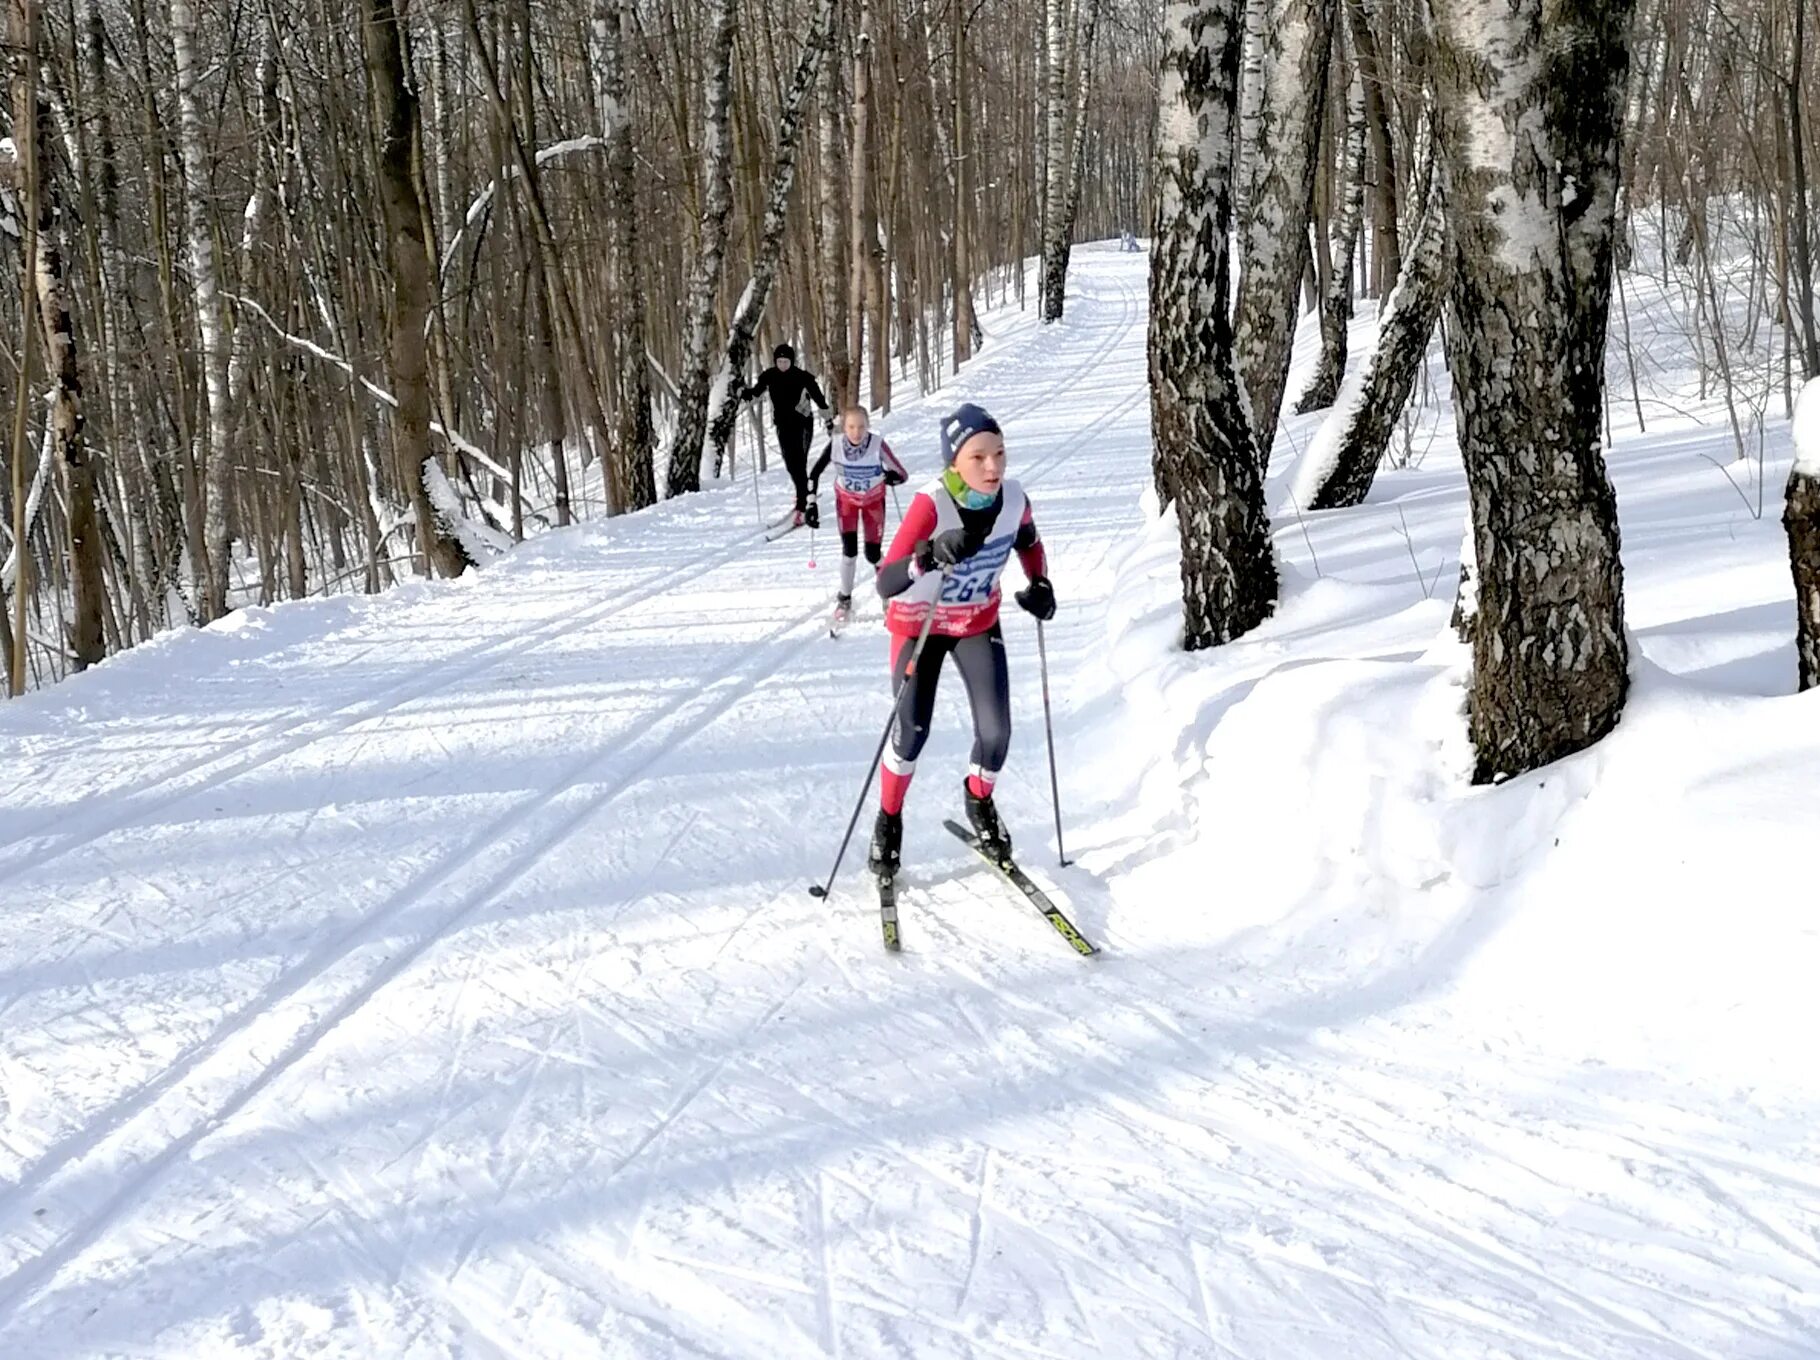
947, 556
794, 397
863, 467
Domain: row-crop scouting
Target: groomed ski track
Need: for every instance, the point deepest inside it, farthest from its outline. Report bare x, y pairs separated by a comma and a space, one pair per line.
432, 975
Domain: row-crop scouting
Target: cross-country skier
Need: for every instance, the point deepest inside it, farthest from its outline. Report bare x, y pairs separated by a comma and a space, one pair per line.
794, 397
948, 555
863, 467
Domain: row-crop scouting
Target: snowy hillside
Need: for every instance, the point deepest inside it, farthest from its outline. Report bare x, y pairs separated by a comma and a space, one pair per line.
432, 974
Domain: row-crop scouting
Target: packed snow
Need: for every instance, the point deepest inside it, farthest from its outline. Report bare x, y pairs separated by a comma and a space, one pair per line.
432, 974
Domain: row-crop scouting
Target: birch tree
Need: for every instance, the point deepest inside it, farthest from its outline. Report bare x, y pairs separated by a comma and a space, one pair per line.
48, 290
1205, 463
1343, 458
717, 210
211, 573
1342, 247
1531, 96
1059, 238
1298, 41
751, 308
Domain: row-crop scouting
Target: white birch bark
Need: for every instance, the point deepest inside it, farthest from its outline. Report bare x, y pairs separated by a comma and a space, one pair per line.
686, 444
211, 575
1531, 94
1202, 441
1298, 43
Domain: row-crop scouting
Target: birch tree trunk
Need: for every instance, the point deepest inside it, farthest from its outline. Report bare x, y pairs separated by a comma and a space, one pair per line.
50, 297
717, 211
1202, 442
1342, 461
1055, 139
1077, 145
1343, 241
1531, 97
395, 108
210, 574
1386, 241
634, 440
1298, 41
751, 309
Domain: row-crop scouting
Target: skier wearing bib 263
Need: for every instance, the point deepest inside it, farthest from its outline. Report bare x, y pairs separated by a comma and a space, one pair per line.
863, 467
794, 397
947, 556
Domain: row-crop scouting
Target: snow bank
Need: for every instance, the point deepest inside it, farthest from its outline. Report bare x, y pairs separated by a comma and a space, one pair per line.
1641, 904
1807, 429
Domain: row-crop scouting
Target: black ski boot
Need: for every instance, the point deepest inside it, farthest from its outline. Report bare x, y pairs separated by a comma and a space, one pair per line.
887, 842
983, 817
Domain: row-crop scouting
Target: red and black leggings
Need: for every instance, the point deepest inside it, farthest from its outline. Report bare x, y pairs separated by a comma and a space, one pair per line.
981, 661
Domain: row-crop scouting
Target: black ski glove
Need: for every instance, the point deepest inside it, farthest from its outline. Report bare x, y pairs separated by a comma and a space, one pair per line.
944, 550
829, 423
812, 515
1038, 598
894, 478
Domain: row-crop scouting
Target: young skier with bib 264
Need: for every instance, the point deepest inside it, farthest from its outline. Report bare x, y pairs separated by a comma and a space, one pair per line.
947, 556
863, 467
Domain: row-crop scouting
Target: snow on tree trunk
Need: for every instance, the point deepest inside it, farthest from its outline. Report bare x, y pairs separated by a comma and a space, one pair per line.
717, 211
1298, 42
395, 105
45, 278
751, 309
1343, 241
1203, 451
1055, 181
1530, 98
1802, 520
1342, 459
211, 573
634, 440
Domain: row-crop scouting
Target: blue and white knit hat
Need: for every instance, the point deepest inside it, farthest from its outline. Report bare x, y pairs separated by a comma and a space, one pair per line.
966, 421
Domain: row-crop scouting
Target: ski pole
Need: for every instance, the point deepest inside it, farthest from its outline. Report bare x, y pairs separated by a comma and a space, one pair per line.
1055, 796
822, 889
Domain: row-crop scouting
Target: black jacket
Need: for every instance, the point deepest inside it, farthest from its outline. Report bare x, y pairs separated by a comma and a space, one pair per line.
786, 389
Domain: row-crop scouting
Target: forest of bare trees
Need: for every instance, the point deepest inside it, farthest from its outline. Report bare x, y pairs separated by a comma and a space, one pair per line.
312, 298
323, 296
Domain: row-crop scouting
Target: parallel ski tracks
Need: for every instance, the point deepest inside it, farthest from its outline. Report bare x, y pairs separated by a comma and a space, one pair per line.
658, 738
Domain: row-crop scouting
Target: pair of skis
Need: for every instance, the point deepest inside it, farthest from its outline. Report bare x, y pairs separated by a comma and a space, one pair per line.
1012, 874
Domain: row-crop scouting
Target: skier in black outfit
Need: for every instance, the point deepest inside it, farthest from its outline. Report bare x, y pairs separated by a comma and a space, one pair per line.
794, 394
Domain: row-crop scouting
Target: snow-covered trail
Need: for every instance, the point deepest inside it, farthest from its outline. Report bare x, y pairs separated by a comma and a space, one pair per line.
432, 975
